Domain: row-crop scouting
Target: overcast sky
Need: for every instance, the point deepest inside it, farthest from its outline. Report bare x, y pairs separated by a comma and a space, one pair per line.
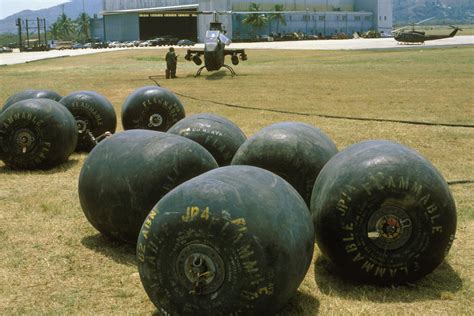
9, 7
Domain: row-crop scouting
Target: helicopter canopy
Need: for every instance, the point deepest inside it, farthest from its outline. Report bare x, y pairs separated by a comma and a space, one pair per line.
214, 36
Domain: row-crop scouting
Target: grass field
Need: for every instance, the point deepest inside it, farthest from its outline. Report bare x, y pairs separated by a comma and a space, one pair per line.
53, 262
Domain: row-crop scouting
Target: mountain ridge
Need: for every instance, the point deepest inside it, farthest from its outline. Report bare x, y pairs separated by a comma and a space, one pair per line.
72, 9
442, 11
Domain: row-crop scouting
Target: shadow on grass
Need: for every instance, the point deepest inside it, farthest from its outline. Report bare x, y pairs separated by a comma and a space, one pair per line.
222, 74
61, 168
216, 75
300, 304
439, 284
118, 251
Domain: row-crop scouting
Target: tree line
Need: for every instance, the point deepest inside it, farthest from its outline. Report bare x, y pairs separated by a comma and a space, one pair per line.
257, 21
64, 28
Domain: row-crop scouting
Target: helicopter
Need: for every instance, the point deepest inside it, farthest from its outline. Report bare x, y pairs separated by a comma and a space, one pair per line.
419, 37
214, 51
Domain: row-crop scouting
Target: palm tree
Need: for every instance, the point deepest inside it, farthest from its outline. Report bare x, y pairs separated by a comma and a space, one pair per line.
54, 30
255, 20
66, 27
278, 17
83, 26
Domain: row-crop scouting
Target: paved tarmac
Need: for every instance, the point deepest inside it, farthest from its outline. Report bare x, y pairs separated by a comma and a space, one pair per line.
27, 57
348, 44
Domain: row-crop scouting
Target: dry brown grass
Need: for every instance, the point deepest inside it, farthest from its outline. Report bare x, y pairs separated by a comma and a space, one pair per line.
53, 261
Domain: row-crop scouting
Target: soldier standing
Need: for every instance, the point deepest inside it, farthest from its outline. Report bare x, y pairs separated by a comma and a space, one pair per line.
171, 62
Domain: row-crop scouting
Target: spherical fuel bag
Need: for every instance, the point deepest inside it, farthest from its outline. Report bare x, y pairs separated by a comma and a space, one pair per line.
235, 240
31, 94
382, 213
221, 137
293, 150
36, 134
125, 175
94, 115
152, 108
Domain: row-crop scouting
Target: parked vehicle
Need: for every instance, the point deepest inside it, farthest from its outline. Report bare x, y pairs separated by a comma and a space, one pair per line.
145, 44
186, 42
115, 44
77, 46
164, 40
100, 45
61, 44
5, 50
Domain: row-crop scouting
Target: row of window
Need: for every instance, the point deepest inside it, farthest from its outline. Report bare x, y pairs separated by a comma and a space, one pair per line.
338, 18
311, 31
322, 18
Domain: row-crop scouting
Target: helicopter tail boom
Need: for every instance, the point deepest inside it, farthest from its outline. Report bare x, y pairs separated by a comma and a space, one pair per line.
456, 29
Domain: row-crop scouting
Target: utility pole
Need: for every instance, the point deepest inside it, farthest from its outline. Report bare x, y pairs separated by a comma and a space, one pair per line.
27, 35
45, 34
18, 23
39, 30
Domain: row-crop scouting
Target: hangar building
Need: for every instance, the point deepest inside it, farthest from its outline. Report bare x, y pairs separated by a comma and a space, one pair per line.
127, 20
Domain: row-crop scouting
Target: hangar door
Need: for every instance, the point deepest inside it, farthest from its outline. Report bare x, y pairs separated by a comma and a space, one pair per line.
180, 25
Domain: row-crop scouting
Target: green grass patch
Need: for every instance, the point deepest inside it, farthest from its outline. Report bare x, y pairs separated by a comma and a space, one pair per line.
149, 58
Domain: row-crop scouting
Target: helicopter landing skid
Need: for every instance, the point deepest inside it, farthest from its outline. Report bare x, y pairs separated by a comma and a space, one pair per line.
198, 73
232, 71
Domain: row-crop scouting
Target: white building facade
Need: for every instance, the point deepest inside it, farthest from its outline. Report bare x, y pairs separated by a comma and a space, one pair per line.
143, 19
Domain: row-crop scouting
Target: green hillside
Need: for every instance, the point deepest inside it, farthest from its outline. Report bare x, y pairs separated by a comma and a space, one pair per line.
442, 11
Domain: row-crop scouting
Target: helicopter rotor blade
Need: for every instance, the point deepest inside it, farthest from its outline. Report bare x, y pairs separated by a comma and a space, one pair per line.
398, 30
413, 25
425, 20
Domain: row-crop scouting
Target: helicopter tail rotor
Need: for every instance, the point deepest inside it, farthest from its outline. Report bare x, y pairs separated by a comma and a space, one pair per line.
456, 28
